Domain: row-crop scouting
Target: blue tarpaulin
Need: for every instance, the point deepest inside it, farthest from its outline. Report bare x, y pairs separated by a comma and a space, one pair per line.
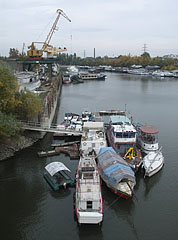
114, 167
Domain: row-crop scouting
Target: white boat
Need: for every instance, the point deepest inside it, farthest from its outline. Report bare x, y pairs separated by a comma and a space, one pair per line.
88, 195
147, 139
93, 137
116, 173
72, 70
159, 73
153, 162
122, 138
28, 80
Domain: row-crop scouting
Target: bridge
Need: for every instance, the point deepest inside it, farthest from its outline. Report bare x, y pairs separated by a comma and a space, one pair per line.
35, 126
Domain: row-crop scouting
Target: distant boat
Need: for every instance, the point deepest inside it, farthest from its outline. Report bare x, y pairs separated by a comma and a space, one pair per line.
88, 196
57, 175
91, 76
111, 112
116, 173
66, 78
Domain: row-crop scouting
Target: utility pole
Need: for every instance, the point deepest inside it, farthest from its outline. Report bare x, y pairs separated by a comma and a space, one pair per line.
84, 54
94, 52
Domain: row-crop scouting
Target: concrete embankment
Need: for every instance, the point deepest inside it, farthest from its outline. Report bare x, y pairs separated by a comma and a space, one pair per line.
8, 146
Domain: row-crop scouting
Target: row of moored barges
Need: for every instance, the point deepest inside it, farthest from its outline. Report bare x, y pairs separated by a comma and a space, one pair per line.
111, 151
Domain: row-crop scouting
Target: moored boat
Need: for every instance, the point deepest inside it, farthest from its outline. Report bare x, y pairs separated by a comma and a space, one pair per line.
91, 76
116, 173
93, 137
147, 138
88, 195
153, 162
57, 175
121, 136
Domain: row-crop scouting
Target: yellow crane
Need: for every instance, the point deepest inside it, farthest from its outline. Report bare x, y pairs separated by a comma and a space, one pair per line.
50, 50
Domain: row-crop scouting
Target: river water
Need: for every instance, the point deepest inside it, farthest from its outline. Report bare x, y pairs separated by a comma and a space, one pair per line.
30, 209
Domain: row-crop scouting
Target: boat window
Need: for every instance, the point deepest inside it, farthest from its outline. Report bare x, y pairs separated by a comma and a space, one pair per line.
125, 134
150, 138
132, 134
89, 204
119, 135
88, 175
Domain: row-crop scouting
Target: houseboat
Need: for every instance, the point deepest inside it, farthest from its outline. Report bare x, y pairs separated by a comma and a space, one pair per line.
88, 195
91, 76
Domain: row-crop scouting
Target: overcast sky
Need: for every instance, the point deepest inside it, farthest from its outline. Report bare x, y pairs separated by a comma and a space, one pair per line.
112, 27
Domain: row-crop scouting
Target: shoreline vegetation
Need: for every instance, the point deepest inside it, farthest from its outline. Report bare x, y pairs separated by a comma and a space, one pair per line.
14, 105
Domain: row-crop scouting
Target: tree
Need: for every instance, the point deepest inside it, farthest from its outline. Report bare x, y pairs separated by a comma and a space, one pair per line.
8, 88
13, 53
29, 104
8, 125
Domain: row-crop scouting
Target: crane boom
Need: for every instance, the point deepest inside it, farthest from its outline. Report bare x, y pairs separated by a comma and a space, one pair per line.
33, 52
50, 34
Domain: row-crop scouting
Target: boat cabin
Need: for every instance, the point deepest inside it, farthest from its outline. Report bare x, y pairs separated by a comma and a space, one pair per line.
122, 129
147, 137
57, 175
93, 137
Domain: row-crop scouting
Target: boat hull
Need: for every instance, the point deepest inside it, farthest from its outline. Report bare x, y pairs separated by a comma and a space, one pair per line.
151, 165
151, 173
119, 193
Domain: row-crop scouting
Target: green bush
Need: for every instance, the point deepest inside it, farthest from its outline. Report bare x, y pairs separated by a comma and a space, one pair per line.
8, 125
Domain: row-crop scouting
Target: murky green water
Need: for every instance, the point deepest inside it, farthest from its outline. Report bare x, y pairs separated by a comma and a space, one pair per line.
30, 209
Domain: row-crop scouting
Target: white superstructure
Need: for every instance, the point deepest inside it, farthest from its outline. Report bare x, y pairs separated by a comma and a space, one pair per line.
88, 196
93, 137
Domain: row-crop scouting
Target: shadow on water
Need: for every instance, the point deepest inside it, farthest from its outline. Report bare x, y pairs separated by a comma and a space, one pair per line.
90, 231
123, 208
151, 182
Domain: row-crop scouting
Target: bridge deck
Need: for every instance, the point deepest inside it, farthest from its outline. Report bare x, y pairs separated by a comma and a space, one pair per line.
34, 126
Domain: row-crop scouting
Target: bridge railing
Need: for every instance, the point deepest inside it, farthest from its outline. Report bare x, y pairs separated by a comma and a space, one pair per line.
30, 125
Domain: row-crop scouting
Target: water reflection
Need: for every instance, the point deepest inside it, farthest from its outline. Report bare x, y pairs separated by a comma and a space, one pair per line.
90, 231
123, 208
151, 182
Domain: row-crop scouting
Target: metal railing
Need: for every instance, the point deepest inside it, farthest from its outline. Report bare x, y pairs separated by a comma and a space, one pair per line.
37, 126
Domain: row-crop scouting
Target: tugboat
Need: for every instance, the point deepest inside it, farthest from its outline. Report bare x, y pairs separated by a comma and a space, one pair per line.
88, 196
